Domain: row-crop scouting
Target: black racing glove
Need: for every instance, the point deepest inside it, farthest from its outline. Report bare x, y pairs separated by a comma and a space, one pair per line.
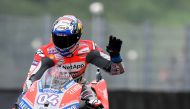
114, 48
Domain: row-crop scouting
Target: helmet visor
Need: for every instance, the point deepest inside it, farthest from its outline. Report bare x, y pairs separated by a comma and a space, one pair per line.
65, 41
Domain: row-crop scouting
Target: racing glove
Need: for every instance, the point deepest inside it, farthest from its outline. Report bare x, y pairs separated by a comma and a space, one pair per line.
94, 103
113, 48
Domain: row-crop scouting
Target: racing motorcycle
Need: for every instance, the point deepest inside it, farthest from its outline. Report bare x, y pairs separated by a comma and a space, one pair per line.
56, 89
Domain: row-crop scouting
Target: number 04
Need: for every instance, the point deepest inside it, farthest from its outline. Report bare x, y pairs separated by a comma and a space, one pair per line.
52, 99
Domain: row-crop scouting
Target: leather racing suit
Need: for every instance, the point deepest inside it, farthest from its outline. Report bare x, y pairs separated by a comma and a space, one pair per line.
85, 52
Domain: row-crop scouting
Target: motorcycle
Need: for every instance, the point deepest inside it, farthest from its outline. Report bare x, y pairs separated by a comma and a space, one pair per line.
56, 89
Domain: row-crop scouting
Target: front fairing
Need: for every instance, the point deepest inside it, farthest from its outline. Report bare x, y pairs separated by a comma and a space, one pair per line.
44, 94
101, 91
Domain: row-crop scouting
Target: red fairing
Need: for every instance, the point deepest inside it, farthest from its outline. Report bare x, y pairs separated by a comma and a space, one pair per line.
72, 94
30, 95
101, 92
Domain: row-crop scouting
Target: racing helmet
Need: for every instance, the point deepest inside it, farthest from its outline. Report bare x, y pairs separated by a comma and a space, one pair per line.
66, 32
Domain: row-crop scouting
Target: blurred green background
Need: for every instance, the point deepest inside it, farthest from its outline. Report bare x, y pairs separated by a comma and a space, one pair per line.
162, 12
156, 44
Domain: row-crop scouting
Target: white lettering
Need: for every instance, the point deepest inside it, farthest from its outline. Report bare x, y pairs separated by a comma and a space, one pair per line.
23, 105
52, 99
75, 89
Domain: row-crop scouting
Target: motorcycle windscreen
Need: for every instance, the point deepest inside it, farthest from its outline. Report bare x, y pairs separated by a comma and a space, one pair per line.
55, 78
57, 90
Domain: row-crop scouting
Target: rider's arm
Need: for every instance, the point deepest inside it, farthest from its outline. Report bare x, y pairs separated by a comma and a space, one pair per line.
111, 63
103, 61
36, 64
45, 64
39, 65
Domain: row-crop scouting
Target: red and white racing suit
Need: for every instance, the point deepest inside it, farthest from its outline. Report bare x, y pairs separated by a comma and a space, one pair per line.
85, 52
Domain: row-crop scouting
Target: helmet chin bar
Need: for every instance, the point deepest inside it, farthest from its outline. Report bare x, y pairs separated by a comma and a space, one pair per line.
67, 51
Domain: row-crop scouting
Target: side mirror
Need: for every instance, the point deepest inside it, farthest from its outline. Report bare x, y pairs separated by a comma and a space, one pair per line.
98, 75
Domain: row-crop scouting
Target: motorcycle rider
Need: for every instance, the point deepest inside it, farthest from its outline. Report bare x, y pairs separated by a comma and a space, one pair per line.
70, 52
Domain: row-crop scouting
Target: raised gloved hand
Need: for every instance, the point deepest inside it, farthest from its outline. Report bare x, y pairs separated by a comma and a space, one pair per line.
114, 48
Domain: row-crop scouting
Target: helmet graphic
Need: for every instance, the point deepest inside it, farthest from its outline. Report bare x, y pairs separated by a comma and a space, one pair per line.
66, 33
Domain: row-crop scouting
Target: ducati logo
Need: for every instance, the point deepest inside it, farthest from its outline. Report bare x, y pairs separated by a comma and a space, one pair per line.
40, 53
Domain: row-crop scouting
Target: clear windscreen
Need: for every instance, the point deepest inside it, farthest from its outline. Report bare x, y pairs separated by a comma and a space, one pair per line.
55, 78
